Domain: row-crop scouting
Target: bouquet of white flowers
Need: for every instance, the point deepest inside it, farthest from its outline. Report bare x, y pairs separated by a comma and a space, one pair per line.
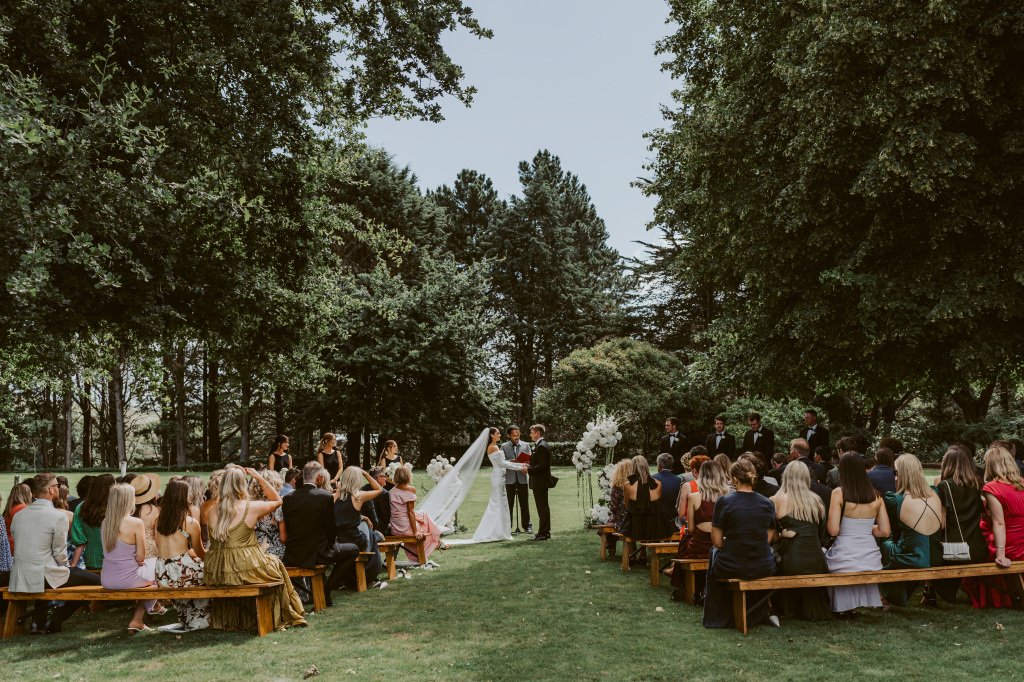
439, 467
598, 515
393, 467
603, 432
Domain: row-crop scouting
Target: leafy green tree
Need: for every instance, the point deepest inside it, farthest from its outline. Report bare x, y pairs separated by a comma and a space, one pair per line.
846, 179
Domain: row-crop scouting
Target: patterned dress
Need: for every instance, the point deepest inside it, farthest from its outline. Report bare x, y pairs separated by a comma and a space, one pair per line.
185, 571
268, 533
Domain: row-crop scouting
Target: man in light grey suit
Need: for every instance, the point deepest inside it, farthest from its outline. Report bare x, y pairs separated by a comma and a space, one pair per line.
40, 535
516, 481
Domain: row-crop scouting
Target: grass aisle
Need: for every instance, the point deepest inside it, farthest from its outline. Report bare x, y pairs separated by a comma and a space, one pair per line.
531, 611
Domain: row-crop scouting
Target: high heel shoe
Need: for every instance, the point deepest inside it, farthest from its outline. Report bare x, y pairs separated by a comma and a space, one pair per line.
144, 628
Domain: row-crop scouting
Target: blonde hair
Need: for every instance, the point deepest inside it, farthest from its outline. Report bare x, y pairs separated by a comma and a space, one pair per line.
642, 469
620, 474
214, 486
711, 481
231, 491
120, 505
350, 482
325, 439
910, 477
1001, 466
796, 486
402, 476
271, 477
196, 489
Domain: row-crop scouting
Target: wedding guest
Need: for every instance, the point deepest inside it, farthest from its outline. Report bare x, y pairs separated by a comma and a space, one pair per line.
643, 494
915, 517
291, 481
712, 485
761, 486
1018, 453
814, 433
894, 444
402, 524
235, 558
124, 551
279, 460
618, 517
196, 494
675, 443
1003, 523
6, 558
742, 529
147, 501
351, 524
379, 512
389, 455
670, 485
41, 533
779, 461
882, 475
827, 463
270, 529
329, 458
180, 555
212, 494
856, 516
800, 451
959, 492
691, 473
721, 441
82, 490
758, 438
86, 529
690, 486
19, 498
801, 524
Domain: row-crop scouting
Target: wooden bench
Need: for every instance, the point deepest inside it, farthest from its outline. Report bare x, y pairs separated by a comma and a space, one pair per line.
411, 539
629, 545
316, 577
604, 532
390, 550
264, 594
741, 588
655, 550
690, 569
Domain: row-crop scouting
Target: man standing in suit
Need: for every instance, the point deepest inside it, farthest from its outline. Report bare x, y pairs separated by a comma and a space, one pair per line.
40, 535
515, 481
814, 433
541, 481
675, 443
758, 438
720, 441
309, 521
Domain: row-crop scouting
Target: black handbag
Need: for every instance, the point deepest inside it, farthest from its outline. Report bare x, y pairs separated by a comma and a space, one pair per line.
554, 481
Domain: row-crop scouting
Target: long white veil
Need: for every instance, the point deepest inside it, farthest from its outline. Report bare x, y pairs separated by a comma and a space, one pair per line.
444, 500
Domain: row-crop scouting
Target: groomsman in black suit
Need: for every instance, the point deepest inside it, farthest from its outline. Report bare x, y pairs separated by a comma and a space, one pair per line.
758, 438
814, 433
541, 481
675, 443
720, 441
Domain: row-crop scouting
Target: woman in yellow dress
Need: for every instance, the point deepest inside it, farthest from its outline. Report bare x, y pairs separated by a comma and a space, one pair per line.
235, 558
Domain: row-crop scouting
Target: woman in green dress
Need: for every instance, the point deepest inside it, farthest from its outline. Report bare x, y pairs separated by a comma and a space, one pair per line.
236, 558
800, 520
915, 514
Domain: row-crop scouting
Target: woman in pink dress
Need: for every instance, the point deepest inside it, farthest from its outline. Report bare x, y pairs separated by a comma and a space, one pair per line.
401, 524
124, 550
1002, 525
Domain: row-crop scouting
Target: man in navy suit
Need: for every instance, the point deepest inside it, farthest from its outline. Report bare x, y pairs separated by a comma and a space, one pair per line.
669, 487
882, 476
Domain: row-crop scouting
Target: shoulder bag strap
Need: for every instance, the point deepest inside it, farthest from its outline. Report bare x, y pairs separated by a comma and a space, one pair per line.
956, 516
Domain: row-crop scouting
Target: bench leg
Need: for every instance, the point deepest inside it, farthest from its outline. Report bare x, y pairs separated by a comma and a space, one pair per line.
319, 593
360, 576
15, 612
739, 610
627, 550
689, 584
655, 569
265, 614
389, 558
604, 545
421, 552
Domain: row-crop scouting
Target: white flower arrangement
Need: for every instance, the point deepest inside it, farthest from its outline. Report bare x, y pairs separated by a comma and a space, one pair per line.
393, 467
599, 515
602, 432
439, 467
604, 482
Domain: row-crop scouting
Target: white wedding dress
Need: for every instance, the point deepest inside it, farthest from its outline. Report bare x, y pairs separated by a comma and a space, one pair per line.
496, 523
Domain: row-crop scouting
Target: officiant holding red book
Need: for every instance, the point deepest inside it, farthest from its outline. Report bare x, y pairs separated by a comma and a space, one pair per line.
516, 487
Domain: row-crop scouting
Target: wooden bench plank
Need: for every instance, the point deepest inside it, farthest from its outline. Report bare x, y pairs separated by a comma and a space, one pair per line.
690, 568
896, 575
420, 544
317, 576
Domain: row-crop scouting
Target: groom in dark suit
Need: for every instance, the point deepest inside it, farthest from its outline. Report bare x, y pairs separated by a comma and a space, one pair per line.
541, 481
721, 440
758, 438
675, 443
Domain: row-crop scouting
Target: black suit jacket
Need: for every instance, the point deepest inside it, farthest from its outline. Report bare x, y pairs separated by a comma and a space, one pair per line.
728, 445
821, 437
309, 520
677, 450
818, 472
379, 512
765, 442
540, 465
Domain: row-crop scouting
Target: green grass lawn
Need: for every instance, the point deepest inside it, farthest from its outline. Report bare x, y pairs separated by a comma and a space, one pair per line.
531, 611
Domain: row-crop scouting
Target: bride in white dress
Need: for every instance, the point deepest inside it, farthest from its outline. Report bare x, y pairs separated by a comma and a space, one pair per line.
444, 500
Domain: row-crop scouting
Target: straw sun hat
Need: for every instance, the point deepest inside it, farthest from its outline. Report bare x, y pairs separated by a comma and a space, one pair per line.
147, 487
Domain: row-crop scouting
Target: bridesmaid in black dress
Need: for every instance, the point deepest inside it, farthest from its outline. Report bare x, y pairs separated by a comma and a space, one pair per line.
328, 457
279, 459
741, 530
801, 526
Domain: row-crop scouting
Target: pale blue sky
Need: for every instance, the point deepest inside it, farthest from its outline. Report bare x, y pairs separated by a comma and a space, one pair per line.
577, 77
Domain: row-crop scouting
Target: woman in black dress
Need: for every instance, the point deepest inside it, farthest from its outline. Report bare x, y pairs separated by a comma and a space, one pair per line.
800, 521
279, 459
646, 522
389, 455
328, 457
959, 490
741, 531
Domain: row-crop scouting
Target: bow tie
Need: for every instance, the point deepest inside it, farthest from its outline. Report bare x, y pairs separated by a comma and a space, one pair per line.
757, 433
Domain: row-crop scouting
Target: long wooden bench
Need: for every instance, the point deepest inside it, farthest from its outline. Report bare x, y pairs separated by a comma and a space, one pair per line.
690, 569
390, 550
741, 588
629, 545
656, 550
418, 542
264, 594
604, 532
316, 577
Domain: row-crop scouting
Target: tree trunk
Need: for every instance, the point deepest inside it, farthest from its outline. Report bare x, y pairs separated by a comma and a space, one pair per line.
117, 389
367, 451
181, 457
278, 412
875, 417
213, 410
87, 425
354, 438
69, 402
974, 408
166, 409
243, 423
205, 408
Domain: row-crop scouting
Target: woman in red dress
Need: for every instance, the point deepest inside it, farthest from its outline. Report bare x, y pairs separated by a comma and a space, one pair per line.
700, 509
1002, 525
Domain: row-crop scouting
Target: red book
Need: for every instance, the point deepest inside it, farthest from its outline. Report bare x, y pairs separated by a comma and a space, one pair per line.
523, 458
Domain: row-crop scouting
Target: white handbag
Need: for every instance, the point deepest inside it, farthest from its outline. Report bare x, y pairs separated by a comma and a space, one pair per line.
954, 551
